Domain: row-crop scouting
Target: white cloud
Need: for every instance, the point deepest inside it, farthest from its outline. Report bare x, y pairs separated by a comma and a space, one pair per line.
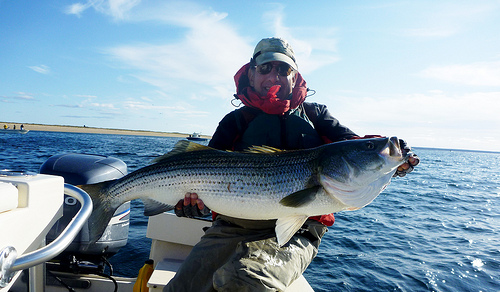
431, 119
477, 74
179, 109
102, 105
211, 50
42, 69
435, 110
18, 96
77, 8
181, 13
209, 54
435, 107
91, 104
430, 32
24, 95
314, 47
139, 105
118, 9
85, 96
447, 18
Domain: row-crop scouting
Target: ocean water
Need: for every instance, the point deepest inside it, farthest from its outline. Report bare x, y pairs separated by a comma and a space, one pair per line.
437, 229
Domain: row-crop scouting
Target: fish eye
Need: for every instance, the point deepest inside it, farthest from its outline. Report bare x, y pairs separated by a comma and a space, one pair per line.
370, 145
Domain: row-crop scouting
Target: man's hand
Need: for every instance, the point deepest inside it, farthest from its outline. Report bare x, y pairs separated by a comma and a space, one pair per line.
191, 207
410, 163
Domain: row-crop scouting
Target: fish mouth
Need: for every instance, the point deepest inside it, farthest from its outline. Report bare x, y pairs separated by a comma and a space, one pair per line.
392, 150
394, 147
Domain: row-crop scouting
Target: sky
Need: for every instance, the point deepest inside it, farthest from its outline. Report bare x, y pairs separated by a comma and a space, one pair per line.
425, 71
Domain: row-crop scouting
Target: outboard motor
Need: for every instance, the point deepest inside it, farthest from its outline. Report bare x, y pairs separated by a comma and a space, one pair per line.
80, 169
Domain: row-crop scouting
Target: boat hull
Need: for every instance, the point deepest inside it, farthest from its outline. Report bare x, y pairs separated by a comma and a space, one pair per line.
12, 131
197, 139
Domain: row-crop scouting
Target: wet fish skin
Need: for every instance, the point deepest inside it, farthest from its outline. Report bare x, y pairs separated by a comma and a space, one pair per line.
289, 186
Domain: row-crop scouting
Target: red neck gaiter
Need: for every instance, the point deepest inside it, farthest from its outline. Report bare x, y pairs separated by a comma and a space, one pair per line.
270, 103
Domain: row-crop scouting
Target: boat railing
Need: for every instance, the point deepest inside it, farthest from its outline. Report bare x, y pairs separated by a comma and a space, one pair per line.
10, 263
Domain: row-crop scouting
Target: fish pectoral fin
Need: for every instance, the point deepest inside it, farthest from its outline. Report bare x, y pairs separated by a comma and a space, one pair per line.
301, 198
154, 207
286, 227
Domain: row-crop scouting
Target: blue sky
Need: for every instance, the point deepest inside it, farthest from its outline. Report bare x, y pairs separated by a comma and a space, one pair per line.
426, 71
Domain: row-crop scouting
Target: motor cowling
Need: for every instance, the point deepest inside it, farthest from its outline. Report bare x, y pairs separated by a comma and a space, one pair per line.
80, 169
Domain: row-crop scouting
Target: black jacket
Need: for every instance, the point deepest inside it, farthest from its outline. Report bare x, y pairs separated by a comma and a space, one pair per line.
309, 125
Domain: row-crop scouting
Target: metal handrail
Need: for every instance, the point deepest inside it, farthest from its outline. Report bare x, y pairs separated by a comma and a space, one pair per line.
53, 249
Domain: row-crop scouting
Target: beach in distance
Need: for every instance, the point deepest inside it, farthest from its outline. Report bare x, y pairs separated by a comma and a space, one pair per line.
94, 130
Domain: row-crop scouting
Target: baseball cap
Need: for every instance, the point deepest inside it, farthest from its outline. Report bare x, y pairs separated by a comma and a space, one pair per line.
274, 49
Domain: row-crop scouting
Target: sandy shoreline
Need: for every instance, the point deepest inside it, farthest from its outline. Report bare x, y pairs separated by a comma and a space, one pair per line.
93, 130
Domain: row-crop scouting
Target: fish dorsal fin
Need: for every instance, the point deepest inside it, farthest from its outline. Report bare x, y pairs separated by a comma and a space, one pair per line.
182, 146
300, 198
286, 227
263, 150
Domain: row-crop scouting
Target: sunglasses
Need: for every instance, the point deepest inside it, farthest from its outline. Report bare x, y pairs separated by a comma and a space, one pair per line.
283, 69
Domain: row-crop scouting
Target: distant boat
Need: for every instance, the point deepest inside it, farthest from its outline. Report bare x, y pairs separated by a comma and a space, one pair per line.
14, 131
196, 137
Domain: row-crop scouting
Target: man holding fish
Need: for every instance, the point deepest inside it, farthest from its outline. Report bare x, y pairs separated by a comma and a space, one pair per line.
248, 255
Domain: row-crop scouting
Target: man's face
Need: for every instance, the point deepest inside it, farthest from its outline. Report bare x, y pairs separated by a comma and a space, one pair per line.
277, 76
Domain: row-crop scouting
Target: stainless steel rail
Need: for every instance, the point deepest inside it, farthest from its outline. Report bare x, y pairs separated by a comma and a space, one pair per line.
9, 264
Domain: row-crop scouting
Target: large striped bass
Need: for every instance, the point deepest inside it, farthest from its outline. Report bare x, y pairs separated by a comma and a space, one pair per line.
263, 183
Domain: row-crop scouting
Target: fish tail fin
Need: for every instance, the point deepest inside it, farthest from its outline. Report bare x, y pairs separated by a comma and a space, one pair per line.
103, 209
